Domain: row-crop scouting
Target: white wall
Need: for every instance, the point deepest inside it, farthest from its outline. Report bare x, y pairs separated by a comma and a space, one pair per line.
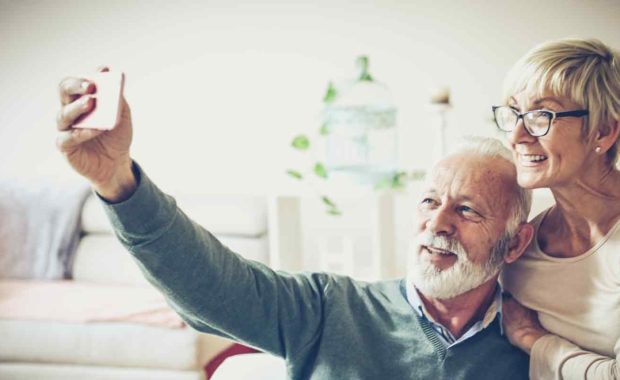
218, 88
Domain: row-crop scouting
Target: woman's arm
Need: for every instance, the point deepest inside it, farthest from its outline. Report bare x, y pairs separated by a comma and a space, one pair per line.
553, 357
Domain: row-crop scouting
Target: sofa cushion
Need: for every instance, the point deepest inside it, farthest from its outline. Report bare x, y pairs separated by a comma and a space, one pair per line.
104, 344
102, 258
91, 324
71, 301
221, 214
29, 371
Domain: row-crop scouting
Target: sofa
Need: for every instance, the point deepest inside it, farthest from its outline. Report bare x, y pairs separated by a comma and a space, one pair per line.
107, 322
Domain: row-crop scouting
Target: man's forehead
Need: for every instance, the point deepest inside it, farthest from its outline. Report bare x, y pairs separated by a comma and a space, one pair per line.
471, 175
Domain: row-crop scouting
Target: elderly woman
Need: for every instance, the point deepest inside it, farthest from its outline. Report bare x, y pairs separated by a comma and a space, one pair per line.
561, 114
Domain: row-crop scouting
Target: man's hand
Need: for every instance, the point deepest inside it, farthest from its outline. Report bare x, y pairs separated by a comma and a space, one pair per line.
100, 156
521, 324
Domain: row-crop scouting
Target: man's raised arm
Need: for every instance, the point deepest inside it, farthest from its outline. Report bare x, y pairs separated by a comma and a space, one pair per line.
214, 289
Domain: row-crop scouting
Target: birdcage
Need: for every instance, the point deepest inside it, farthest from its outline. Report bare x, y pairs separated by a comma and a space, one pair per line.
360, 123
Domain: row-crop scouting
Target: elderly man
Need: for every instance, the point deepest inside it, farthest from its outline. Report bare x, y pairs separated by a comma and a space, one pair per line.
442, 322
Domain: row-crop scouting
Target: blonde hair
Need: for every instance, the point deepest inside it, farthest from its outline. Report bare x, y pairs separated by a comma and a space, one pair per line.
585, 71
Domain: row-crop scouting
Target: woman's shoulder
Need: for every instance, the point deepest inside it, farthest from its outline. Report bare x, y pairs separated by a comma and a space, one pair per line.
544, 237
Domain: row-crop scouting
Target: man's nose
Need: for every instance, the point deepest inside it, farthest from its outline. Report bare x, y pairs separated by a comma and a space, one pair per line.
519, 134
441, 222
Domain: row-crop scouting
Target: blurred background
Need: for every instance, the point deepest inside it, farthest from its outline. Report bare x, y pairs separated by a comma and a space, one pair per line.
218, 89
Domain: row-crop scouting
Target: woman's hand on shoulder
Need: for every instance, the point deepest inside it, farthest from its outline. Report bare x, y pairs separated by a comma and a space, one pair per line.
521, 324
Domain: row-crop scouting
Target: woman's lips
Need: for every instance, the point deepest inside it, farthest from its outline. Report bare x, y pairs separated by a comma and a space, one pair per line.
531, 160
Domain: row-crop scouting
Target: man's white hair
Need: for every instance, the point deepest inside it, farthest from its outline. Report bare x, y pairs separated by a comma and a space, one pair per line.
494, 149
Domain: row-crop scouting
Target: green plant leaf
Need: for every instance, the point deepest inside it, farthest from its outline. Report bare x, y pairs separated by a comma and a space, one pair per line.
331, 207
320, 171
334, 211
328, 202
301, 142
383, 184
399, 179
362, 65
366, 77
331, 93
295, 174
324, 131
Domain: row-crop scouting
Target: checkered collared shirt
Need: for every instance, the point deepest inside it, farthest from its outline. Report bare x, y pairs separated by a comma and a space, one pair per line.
445, 336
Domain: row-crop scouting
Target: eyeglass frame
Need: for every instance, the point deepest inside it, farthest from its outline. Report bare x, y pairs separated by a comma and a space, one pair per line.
553, 115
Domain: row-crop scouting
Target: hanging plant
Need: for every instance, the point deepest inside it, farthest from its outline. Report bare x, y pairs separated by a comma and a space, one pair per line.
396, 180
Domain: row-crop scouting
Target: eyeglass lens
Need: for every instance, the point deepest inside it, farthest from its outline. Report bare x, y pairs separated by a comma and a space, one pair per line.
535, 122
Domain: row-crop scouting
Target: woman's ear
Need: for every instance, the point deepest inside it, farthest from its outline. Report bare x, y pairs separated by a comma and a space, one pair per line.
607, 136
519, 242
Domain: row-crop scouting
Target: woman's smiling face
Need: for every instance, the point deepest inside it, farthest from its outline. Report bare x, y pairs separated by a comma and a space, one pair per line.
556, 159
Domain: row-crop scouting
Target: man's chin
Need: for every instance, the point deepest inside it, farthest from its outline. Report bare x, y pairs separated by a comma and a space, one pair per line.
434, 282
438, 292
446, 283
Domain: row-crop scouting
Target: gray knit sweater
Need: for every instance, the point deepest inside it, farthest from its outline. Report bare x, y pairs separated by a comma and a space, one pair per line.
325, 326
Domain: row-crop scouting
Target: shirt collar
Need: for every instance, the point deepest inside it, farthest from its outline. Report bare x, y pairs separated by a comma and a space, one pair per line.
494, 310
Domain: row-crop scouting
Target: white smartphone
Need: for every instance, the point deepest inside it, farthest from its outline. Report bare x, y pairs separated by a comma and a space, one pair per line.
108, 93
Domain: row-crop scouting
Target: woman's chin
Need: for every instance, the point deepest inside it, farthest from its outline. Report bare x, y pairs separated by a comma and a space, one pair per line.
530, 181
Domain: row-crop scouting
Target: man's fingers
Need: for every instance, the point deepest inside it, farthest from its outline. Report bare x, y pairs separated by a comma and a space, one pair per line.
68, 140
72, 88
69, 113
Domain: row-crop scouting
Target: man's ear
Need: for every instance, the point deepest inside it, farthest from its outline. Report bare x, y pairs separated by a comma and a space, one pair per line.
519, 242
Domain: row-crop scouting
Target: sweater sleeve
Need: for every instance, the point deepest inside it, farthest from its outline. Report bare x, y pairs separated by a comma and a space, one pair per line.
553, 357
212, 288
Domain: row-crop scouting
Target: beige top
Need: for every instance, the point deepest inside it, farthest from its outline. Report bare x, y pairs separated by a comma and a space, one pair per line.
578, 300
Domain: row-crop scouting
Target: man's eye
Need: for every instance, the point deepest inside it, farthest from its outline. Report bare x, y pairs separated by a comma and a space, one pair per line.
467, 211
428, 202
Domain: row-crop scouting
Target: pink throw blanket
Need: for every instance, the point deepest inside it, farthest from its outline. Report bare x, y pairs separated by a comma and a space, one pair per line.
70, 301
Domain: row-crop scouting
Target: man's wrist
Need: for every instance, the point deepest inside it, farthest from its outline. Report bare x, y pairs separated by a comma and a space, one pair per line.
120, 187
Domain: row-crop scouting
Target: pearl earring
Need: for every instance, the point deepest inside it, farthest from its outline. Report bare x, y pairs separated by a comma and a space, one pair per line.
597, 149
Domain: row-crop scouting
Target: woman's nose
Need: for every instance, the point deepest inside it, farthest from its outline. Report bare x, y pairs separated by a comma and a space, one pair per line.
519, 134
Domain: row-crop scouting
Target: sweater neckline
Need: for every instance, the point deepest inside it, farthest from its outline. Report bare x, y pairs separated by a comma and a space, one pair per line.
537, 222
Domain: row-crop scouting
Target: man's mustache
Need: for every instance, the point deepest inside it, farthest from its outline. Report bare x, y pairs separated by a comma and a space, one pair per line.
441, 242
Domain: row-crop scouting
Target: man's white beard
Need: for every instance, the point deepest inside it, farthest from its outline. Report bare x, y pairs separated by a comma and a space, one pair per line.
461, 277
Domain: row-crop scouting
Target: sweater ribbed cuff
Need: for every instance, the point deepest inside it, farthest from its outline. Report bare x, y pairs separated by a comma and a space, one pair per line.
143, 212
